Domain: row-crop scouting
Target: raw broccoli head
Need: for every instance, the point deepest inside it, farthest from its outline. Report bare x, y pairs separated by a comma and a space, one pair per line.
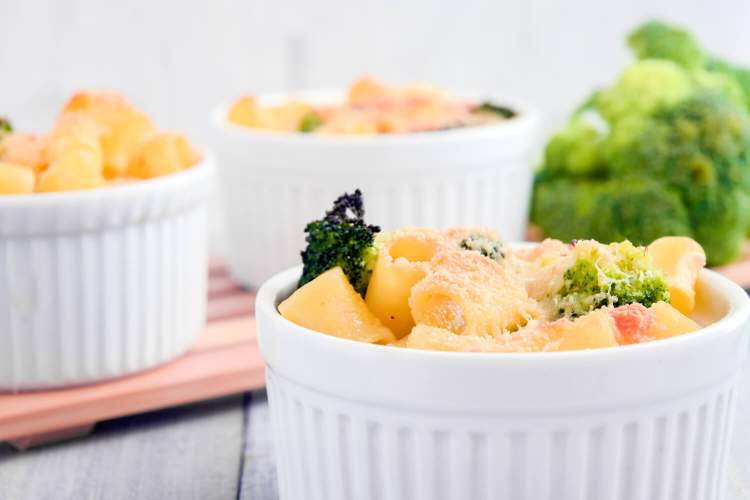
640, 210
673, 157
341, 239
611, 275
487, 246
657, 40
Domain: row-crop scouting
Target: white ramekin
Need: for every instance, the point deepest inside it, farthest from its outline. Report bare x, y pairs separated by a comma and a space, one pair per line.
275, 183
360, 421
101, 283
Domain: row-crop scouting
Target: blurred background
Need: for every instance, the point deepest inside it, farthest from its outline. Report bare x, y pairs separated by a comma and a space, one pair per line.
177, 59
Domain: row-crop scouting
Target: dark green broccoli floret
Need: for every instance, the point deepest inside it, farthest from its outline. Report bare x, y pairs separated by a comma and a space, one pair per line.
310, 122
495, 109
5, 127
657, 40
341, 239
637, 209
487, 246
611, 275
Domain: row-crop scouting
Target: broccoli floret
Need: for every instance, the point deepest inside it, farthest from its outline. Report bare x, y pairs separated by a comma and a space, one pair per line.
5, 127
310, 122
576, 149
737, 73
720, 220
611, 275
495, 109
563, 208
644, 87
639, 210
489, 247
341, 239
703, 141
657, 40
699, 148
588, 104
719, 83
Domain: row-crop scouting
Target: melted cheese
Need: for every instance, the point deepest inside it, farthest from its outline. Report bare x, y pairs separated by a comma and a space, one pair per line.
469, 294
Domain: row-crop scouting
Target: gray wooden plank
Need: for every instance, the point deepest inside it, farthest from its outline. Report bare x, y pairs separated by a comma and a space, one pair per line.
190, 452
258, 464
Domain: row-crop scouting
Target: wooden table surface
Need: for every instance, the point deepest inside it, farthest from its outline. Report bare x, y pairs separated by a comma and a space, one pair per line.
218, 450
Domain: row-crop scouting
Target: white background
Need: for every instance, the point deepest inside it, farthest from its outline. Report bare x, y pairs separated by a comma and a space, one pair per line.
177, 59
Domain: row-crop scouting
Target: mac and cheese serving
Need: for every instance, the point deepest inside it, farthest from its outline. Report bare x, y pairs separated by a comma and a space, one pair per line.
371, 107
99, 139
463, 290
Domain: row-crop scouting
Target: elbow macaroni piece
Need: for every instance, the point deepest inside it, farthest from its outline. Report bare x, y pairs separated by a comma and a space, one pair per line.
123, 128
163, 154
680, 259
470, 294
75, 155
29, 150
403, 261
439, 339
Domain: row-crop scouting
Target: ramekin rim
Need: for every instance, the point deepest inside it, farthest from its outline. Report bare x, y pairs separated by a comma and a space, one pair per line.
738, 313
527, 116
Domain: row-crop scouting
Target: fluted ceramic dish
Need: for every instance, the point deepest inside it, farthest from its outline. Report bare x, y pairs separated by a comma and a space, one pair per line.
274, 183
101, 283
650, 421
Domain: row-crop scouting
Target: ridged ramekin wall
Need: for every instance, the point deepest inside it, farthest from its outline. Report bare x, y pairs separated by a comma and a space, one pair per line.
273, 184
328, 449
355, 421
102, 283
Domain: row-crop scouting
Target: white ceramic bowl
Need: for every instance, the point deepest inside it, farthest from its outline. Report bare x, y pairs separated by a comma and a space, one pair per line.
651, 421
275, 183
101, 283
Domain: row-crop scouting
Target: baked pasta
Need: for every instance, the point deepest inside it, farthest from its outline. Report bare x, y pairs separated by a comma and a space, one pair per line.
463, 290
99, 139
371, 107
